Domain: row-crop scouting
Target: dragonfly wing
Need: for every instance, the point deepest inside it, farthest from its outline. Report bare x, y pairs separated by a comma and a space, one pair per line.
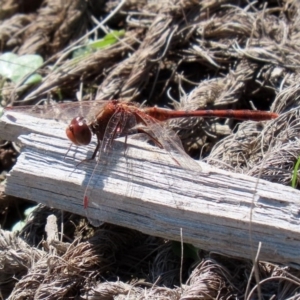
63, 112
118, 126
170, 141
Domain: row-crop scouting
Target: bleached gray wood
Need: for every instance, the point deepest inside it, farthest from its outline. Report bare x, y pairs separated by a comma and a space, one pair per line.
212, 207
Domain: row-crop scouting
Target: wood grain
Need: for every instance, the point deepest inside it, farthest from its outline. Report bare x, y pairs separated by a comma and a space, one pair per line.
143, 188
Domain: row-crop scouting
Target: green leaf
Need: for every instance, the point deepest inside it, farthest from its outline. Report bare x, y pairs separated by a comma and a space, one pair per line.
33, 79
108, 40
19, 225
295, 172
16, 67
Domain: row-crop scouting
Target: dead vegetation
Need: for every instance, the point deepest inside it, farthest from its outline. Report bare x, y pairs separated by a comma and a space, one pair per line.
183, 54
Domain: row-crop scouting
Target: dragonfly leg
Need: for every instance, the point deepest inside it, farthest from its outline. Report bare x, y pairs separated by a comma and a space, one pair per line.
125, 145
94, 154
96, 149
68, 151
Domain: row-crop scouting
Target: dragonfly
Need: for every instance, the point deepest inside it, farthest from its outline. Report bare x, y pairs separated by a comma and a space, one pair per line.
111, 119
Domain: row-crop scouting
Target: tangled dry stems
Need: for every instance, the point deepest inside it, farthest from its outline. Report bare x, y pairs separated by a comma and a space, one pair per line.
98, 268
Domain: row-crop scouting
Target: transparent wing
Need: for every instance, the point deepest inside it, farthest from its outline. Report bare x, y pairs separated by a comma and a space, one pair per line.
169, 141
119, 125
63, 112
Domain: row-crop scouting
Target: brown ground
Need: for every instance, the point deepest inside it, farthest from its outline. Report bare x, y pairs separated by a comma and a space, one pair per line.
204, 54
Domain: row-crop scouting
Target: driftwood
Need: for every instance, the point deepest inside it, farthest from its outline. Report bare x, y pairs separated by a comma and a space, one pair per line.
144, 189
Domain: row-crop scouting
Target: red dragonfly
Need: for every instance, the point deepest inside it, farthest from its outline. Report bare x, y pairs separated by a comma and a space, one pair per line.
109, 120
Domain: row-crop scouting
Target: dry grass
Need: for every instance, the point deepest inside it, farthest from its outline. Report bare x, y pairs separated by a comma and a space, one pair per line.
210, 54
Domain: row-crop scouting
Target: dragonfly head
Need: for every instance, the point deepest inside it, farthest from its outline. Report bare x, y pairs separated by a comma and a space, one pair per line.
79, 132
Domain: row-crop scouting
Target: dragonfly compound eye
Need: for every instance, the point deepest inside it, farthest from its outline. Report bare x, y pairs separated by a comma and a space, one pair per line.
79, 132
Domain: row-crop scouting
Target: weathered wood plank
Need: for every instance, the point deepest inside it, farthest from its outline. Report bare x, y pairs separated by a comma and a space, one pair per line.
140, 190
